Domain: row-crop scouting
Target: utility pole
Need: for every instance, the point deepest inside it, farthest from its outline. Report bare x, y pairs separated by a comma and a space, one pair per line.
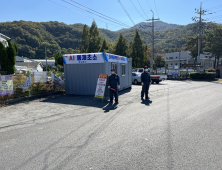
46, 58
187, 63
179, 60
152, 38
200, 12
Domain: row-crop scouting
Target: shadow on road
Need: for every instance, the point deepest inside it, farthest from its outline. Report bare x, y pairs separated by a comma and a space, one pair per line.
87, 101
109, 107
146, 102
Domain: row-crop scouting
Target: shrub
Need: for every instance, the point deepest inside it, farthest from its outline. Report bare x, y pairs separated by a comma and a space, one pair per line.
205, 75
210, 69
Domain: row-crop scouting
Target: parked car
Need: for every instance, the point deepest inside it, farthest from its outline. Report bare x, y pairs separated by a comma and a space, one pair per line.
136, 78
163, 77
138, 70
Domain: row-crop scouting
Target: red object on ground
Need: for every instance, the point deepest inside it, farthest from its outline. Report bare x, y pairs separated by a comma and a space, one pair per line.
112, 89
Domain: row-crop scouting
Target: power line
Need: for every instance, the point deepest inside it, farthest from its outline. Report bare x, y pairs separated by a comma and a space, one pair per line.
142, 8
149, 5
156, 8
215, 7
84, 14
126, 11
219, 16
97, 12
93, 13
137, 9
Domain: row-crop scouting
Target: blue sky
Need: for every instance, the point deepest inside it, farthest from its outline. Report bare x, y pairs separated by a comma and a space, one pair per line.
170, 11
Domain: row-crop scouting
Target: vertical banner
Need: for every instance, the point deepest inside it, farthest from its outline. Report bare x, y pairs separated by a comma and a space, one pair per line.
40, 77
26, 84
101, 86
58, 81
6, 85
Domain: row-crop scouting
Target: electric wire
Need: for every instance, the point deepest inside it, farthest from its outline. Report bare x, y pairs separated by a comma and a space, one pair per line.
93, 13
149, 5
156, 8
137, 9
219, 16
97, 12
84, 14
141, 8
214, 8
126, 12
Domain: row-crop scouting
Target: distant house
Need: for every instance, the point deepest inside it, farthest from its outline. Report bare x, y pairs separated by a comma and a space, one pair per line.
49, 62
23, 59
3, 39
30, 66
172, 60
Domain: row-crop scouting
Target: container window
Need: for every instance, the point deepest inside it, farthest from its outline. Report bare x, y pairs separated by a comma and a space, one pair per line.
114, 66
123, 68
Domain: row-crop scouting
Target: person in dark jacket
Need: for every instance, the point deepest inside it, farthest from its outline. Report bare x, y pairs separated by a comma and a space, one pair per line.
146, 82
113, 85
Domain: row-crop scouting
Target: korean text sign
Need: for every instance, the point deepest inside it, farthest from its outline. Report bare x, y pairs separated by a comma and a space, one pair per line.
101, 86
83, 58
115, 58
6, 85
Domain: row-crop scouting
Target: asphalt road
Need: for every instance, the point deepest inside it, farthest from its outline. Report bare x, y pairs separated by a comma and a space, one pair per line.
179, 128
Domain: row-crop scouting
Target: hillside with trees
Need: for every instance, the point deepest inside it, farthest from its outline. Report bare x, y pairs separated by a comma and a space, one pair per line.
32, 37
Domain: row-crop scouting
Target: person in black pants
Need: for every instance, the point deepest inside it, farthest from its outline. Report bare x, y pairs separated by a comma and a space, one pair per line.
113, 85
146, 82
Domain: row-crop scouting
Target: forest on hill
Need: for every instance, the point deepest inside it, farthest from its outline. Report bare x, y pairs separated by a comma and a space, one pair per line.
32, 37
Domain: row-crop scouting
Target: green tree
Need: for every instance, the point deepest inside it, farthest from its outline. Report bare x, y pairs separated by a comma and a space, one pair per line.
58, 59
159, 61
12, 51
4, 60
137, 53
169, 51
104, 46
85, 39
111, 47
191, 46
214, 42
175, 49
121, 46
147, 55
94, 38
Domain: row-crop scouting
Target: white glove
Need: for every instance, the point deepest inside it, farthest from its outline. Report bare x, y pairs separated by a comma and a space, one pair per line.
142, 84
118, 86
108, 87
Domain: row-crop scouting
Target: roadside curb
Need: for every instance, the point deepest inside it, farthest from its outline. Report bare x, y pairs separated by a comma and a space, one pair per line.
24, 99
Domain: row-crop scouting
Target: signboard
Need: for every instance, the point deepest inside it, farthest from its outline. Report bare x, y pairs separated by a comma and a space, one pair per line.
6, 85
115, 58
40, 77
176, 67
191, 65
175, 74
101, 86
83, 58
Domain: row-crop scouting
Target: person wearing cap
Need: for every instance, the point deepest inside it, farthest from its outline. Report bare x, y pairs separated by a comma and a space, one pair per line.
146, 82
114, 86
